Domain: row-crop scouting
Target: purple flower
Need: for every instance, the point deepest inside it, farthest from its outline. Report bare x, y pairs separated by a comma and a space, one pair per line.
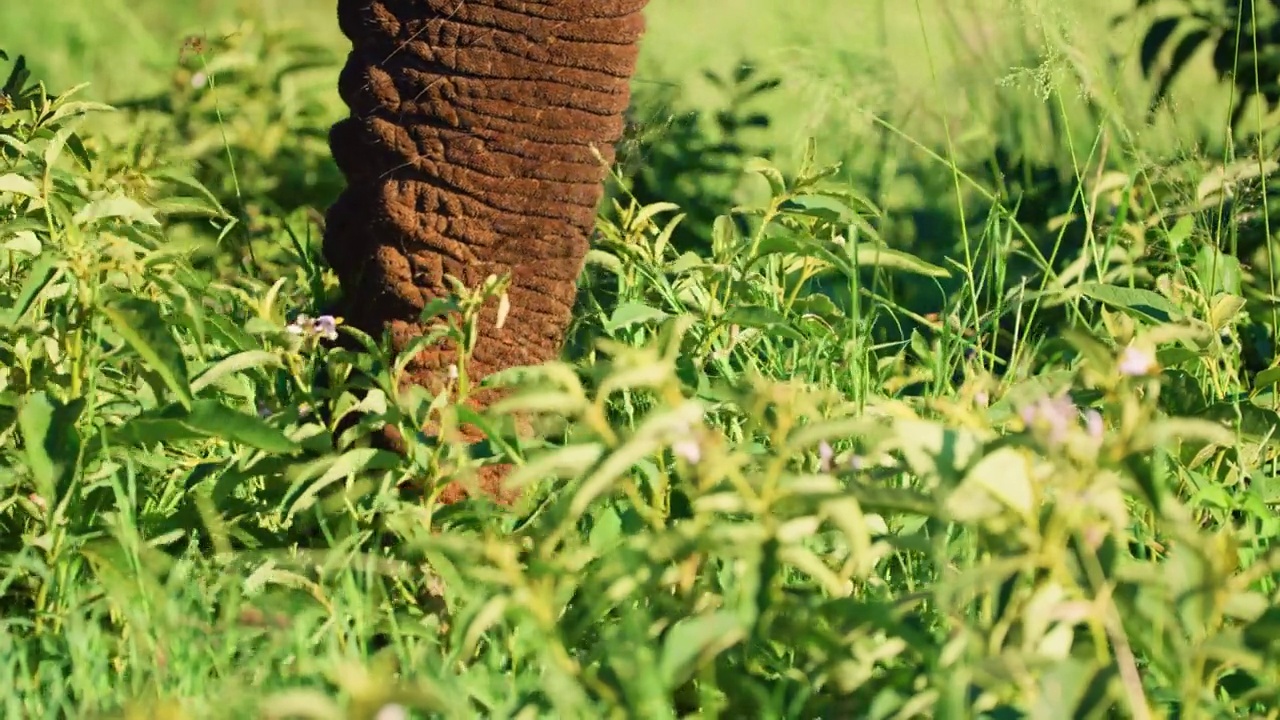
825, 456
326, 326
1054, 415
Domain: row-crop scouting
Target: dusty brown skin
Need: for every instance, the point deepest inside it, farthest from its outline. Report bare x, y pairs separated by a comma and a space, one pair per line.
468, 151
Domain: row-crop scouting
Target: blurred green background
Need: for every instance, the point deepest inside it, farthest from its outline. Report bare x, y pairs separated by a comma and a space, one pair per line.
977, 63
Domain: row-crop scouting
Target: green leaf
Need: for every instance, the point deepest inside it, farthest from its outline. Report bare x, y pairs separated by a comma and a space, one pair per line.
302, 703
186, 207
1026, 391
819, 306
217, 420
822, 207
144, 328
569, 461
1003, 475
344, 466
1224, 309
18, 185
810, 434
1246, 418
633, 313
118, 207
1266, 379
783, 243
764, 168
763, 318
1170, 357
1062, 688
1218, 272
24, 242
53, 148
1136, 301
206, 419
187, 180
238, 362
872, 255
724, 234
51, 441
647, 212
42, 272
933, 450
1191, 577
1180, 231
606, 530
694, 641
66, 110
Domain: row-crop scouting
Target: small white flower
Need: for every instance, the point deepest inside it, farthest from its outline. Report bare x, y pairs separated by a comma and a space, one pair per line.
392, 711
688, 449
453, 371
1094, 425
199, 80
300, 325
1136, 363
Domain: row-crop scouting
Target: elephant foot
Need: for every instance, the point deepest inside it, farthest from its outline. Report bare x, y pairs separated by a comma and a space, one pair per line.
479, 136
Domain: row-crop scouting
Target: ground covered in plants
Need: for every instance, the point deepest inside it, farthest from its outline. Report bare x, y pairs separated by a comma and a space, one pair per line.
924, 367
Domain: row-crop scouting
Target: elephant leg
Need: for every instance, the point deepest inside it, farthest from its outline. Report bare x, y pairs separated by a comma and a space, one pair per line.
469, 151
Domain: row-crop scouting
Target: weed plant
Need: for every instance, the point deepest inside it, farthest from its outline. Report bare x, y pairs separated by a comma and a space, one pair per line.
789, 466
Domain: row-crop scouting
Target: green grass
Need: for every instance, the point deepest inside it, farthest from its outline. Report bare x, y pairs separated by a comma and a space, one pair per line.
979, 423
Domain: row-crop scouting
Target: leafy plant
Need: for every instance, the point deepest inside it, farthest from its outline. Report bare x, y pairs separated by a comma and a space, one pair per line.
743, 500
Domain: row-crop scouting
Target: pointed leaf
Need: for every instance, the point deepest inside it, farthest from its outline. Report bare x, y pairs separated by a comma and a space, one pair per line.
205, 419
51, 441
870, 255
1137, 301
42, 272
694, 641
143, 327
237, 362
633, 313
